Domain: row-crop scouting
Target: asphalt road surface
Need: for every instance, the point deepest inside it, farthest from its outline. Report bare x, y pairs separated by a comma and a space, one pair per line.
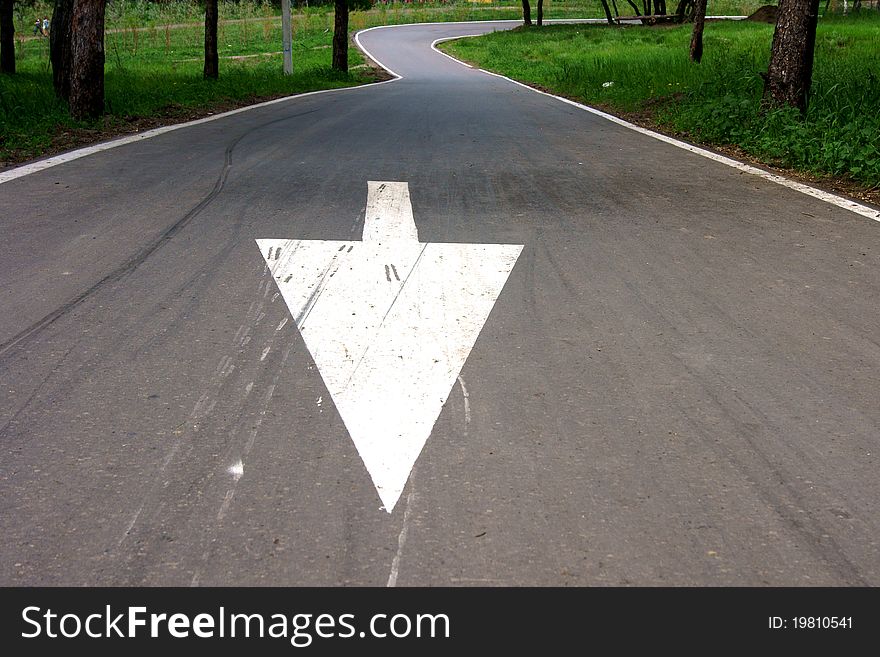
678, 383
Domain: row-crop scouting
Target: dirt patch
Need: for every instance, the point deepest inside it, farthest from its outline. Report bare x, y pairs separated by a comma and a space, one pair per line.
377, 73
765, 14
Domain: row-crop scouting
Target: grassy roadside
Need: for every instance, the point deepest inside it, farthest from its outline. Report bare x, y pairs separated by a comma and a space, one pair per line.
643, 74
154, 61
153, 76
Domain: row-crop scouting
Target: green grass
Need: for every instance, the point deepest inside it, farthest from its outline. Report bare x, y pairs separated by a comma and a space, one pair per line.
646, 71
158, 74
154, 61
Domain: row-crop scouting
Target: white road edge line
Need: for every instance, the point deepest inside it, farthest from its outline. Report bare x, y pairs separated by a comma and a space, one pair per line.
828, 197
456, 38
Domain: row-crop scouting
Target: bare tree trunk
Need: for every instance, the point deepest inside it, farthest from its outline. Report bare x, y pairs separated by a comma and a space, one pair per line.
87, 64
340, 36
790, 72
697, 35
527, 12
7, 38
540, 13
60, 47
607, 12
682, 9
212, 57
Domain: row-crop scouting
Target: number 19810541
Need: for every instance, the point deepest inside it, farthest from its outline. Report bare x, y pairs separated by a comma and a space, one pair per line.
810, 623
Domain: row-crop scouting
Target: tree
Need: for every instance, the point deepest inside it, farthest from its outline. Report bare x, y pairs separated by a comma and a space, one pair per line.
60, 45
7, 37
697, 34
790, 72
540, 13
212, 58
685, 10
87, 62
340, 36
608, 12
527, 12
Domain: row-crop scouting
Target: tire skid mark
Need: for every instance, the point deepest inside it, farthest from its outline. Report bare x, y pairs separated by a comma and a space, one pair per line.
140, 256
132, 263
236, 469
206, 402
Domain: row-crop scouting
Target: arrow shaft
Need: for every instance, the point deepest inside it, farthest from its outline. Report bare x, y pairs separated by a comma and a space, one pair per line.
389, 214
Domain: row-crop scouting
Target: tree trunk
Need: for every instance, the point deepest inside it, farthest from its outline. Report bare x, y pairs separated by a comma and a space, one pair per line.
340, 36
682, 9
7, 38
540, 13
212, 58
527, 12
697, 35
60, 47
790, 72
607, 12
87, 64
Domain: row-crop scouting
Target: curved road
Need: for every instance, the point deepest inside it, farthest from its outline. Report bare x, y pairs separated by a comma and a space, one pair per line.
678, 383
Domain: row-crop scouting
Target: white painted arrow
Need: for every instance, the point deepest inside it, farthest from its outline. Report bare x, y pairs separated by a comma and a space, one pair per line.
389, 322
